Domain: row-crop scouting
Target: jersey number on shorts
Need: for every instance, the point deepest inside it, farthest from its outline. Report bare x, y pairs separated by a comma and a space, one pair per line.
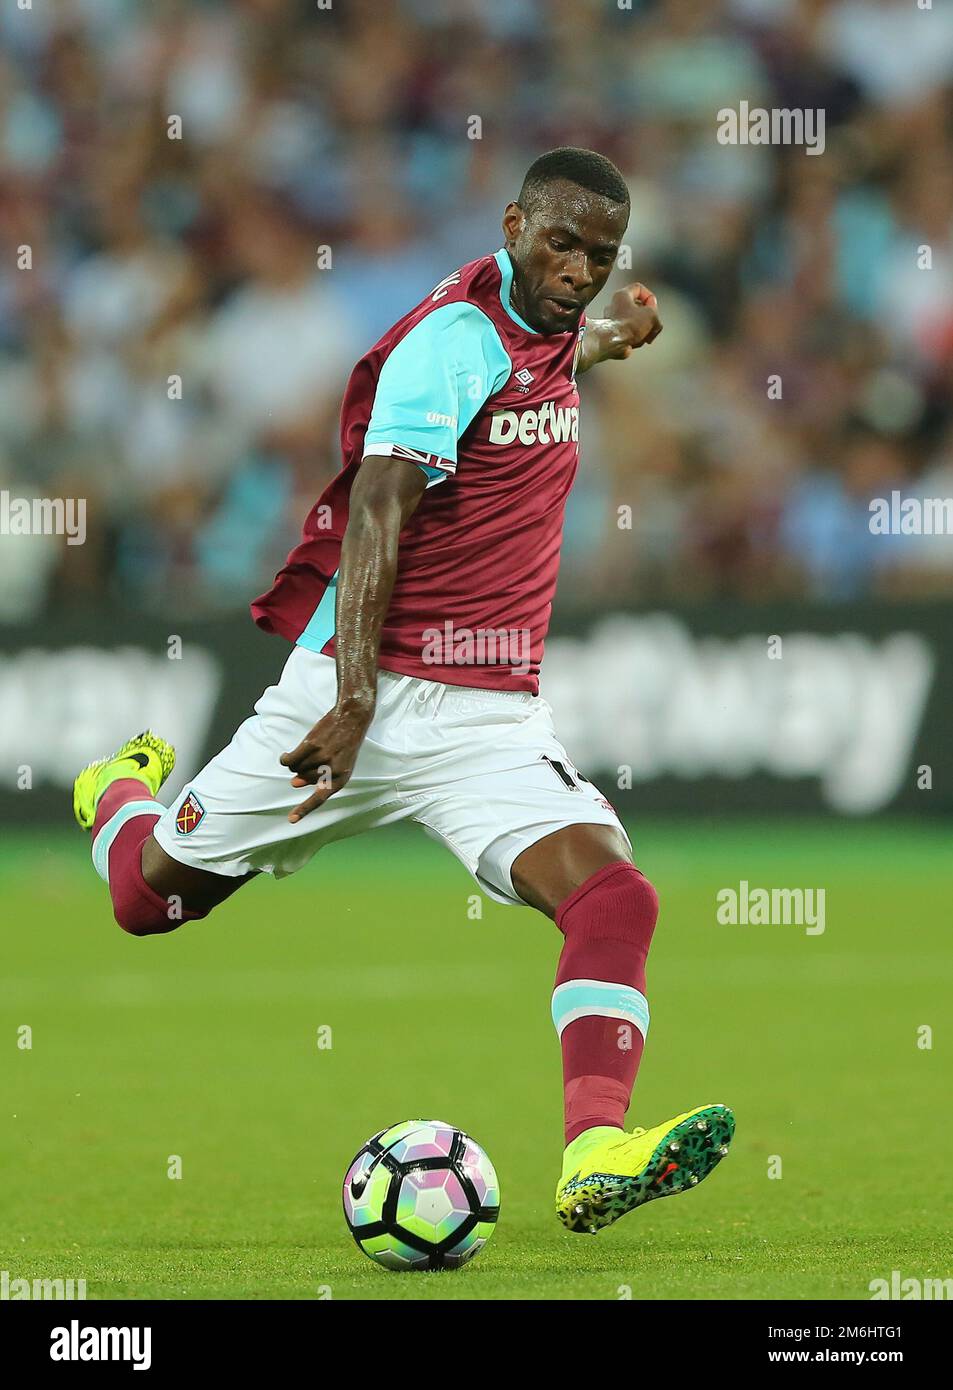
565, 774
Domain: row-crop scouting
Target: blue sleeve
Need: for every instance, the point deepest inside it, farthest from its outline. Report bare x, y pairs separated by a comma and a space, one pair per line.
431, 386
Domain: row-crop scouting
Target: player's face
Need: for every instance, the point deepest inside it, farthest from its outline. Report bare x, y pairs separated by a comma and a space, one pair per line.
563, 252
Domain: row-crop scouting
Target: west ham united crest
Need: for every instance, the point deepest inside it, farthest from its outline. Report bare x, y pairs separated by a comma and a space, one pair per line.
189, 814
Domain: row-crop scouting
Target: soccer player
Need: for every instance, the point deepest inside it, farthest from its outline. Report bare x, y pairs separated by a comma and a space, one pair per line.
417, 602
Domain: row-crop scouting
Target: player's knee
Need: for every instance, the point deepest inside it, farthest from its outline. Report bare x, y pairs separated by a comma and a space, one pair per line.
646, 898
634, 904
142, 919
142, 912
618, 902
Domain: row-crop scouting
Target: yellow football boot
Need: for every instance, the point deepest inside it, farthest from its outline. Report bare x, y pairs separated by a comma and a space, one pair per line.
607, 1172
147, 757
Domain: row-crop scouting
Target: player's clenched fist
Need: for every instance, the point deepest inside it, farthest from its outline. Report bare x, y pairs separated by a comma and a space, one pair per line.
634, 310
326, 756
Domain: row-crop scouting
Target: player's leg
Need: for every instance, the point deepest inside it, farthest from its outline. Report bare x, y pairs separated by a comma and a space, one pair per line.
509, 803
550, 870
583, 878
170, 878
165, 866
169, 865
151, 892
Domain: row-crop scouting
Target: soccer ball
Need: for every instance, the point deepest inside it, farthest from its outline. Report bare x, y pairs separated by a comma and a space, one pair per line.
421, 1195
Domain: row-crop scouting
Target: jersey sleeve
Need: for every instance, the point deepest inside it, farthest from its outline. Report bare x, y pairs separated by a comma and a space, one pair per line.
432, 385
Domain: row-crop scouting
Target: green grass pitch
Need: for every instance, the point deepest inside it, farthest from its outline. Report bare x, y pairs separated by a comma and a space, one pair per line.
203, 1044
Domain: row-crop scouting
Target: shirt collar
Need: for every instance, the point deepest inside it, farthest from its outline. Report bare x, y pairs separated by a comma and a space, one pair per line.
506, 284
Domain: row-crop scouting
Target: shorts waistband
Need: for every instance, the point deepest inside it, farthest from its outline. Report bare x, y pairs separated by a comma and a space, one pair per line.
471, 692
426, 687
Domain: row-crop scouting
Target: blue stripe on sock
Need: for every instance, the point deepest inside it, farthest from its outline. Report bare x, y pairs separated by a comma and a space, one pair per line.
579, 998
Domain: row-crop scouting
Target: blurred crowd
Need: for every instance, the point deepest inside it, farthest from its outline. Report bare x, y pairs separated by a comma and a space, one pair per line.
209, 210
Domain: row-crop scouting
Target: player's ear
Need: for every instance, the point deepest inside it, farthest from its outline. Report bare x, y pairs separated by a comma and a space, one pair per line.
514, 219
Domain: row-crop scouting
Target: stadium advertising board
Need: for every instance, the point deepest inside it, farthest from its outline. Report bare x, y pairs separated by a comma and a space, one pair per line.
715, 711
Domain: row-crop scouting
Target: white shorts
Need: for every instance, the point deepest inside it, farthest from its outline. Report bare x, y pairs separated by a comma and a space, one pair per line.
480, 770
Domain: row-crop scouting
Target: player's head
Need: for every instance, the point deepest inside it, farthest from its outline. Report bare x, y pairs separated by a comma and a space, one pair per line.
563, 234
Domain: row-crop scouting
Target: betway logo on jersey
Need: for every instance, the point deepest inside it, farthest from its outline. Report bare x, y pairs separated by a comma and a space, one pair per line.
550, 424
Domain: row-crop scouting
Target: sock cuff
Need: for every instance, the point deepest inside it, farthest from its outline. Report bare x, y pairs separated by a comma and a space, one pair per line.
596, 880
106, 837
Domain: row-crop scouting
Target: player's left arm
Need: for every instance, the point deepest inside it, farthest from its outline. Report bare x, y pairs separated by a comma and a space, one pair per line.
632, 321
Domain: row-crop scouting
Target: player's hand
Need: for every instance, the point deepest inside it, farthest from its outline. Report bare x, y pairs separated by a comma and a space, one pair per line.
635, 311
326, 756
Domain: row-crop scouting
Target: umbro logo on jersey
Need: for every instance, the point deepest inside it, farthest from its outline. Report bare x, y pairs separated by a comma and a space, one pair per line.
524, 376
550, 424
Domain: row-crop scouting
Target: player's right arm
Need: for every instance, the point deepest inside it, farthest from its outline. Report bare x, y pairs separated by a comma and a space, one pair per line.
428, 393
385, 495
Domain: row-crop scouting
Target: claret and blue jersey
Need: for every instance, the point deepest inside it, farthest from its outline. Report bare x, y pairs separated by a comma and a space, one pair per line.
488, 408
